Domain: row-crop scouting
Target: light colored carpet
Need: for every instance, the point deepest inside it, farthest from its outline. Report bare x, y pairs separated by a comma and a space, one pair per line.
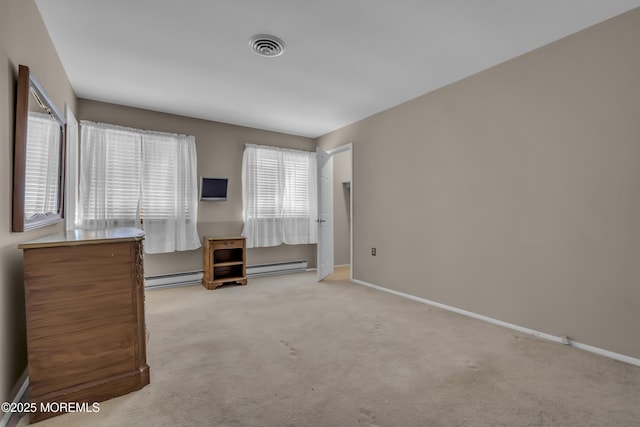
286, 351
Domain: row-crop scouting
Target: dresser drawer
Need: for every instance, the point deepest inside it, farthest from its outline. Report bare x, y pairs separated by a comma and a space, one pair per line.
228, 244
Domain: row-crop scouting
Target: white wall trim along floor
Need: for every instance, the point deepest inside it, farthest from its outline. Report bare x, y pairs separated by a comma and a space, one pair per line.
561, 340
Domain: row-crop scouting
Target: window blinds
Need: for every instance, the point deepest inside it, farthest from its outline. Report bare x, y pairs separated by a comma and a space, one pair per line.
43, 157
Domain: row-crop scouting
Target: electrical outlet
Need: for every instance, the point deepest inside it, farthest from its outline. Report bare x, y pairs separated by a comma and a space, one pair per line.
373, 251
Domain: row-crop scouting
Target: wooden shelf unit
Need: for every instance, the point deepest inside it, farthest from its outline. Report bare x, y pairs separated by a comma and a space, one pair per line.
225, 261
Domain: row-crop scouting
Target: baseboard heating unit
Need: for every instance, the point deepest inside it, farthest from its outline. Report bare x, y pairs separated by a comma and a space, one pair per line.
277, 268
195, 277
173, 280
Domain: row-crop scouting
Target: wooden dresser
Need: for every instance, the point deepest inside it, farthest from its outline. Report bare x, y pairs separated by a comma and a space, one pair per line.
225, 261
84, 296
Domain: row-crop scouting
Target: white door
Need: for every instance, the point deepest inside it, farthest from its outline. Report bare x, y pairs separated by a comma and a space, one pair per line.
325, 214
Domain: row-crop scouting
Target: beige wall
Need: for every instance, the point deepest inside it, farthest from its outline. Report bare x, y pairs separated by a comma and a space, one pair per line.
341, 208
514, 193
219, 147
23, 40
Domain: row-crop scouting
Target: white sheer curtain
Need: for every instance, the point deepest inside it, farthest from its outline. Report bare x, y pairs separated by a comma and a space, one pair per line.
169, 192
135, 178
279, 193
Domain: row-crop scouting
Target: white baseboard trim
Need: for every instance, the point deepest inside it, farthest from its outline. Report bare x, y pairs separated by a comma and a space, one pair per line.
561, 340
7, 417
605, 353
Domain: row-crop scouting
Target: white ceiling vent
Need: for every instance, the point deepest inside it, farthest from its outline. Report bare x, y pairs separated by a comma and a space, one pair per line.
266, 45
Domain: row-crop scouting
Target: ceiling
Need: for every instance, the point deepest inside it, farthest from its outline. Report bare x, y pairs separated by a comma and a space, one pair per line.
345, 59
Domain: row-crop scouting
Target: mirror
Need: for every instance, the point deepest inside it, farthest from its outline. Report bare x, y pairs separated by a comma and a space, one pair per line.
38, 163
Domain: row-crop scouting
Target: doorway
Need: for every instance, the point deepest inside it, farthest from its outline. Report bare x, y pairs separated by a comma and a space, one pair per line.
335, 213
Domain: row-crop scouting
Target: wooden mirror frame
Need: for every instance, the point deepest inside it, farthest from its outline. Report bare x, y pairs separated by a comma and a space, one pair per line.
27, 84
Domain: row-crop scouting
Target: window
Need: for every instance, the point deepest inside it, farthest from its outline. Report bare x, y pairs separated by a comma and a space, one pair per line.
279, 192
41, 193
130, 178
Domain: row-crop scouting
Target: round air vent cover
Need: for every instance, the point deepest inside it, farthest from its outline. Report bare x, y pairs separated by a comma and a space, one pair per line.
266, 45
